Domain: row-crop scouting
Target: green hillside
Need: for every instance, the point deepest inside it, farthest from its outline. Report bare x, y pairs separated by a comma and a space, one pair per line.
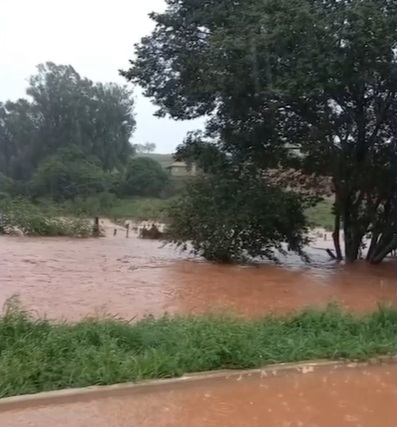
164, 159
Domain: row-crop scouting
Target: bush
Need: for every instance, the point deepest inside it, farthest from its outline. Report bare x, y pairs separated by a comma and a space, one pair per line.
32, 221
69, 174
145, 177
230, 218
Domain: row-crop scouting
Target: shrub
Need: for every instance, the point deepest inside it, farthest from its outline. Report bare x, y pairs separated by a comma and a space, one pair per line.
230, 218
31, 220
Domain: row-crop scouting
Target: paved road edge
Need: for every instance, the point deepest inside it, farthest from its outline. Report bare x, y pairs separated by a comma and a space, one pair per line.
60, 397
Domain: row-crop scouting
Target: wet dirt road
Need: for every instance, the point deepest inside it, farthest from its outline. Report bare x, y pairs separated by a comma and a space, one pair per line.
345, 397
70, 279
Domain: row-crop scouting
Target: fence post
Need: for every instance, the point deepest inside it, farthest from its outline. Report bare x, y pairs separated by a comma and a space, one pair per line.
95, 227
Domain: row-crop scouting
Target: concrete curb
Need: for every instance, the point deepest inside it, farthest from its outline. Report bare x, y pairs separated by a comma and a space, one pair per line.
61, 397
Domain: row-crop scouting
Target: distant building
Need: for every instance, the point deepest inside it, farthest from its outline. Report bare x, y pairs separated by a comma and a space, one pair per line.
181, 169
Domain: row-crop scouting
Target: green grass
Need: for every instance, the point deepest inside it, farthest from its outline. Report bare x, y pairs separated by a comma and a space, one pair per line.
138, 208
107, 205
37, 355
154, 209
141, 209
321, 215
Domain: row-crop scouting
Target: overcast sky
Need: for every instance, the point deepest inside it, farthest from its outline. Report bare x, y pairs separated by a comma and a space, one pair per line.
95, 36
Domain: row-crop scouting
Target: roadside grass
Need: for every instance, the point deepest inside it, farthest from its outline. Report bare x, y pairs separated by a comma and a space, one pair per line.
37, 355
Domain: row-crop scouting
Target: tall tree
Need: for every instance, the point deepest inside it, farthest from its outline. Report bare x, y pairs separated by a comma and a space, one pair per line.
67, 174
315, 76
228, 216
147, 147
65, 109
144, 177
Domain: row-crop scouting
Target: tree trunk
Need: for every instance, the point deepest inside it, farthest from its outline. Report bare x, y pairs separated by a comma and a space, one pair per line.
379, 256
352, 242
373, 246
336, 237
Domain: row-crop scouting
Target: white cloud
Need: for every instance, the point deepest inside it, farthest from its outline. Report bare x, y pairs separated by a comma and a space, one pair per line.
96, 37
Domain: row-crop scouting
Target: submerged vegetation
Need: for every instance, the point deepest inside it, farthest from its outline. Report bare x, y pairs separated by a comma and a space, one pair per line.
21, 216
232, 217
37, 355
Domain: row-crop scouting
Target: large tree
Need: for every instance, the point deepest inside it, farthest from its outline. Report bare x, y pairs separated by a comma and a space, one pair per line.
144, 176
64, 109
307, 83
232, 216
67, 174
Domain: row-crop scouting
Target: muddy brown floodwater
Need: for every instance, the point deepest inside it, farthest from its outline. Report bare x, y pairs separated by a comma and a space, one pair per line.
71, 278
345, 397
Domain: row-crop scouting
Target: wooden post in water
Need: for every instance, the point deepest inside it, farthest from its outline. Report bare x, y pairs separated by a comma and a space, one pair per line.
95, 228
127, 231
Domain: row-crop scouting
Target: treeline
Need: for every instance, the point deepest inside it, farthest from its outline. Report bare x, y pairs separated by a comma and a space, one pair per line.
71, 137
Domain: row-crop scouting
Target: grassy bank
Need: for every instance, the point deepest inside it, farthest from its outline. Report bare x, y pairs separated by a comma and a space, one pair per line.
140, 209
321, 215
137, 208
143, 209
36, 355
107, 205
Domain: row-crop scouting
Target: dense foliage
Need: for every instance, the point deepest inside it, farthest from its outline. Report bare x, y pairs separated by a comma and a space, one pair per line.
236, 217
62, 139
148, 147
144, 177
69, 142
21, 216
306, 83
69, 173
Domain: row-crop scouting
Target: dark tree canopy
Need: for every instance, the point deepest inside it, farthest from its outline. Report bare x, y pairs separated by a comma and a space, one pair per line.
69, 173
144, 177
147, 147
64, 109
303, 83
236, 217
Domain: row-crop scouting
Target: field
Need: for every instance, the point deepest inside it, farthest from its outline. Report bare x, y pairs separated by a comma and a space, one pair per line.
145, 209
321, 215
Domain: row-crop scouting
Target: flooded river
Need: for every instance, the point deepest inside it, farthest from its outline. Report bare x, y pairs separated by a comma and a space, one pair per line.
71, 278
344, 397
